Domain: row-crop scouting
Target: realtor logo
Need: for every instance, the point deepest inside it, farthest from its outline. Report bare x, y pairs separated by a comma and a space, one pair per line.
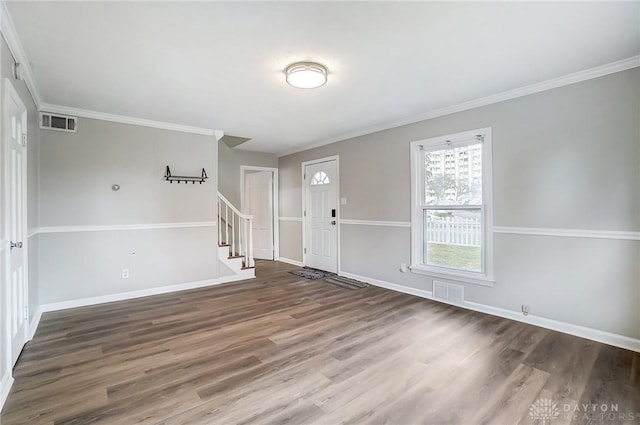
545, 410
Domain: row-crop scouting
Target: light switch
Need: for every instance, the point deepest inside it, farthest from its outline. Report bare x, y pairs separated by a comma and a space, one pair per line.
343, 201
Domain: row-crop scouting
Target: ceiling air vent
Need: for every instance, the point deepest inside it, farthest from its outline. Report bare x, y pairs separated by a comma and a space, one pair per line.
58, 122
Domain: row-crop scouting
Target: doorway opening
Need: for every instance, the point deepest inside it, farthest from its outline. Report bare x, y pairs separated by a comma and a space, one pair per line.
259, 198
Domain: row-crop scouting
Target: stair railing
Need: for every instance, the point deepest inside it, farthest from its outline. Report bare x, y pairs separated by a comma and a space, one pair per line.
235, 230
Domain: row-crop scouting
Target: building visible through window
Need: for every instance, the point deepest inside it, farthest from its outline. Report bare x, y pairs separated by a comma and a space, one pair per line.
450, 222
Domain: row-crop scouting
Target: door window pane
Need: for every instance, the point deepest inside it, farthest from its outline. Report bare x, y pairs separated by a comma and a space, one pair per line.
320, 178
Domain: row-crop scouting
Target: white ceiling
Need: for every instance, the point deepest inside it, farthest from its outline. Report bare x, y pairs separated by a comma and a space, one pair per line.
219, 65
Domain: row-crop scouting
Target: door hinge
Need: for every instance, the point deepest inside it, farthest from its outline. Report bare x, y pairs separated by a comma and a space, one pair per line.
304, 213
24, 139
26, 313
305, 250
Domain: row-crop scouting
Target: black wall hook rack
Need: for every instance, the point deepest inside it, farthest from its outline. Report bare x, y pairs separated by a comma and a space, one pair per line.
193, 179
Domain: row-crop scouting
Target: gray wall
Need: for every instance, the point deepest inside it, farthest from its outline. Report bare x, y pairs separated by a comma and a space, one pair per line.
230, 161
563, 158
87, 264
6, 71
77, 171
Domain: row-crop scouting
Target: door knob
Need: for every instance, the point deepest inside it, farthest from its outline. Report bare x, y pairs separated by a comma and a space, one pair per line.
15, 245
333, 222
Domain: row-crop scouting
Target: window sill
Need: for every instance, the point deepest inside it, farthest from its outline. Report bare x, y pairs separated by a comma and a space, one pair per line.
458, 276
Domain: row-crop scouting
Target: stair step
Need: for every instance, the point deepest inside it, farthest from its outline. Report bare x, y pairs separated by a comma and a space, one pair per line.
223, 244
235, 256
248, 268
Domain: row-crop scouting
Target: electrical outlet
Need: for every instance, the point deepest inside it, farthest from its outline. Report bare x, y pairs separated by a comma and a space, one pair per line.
525, 309
403, 267
125, 273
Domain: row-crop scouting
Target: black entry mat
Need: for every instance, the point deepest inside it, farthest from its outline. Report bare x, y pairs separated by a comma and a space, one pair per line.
310, 273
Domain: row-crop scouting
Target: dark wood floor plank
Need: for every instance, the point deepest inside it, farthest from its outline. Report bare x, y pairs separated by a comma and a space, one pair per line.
611, 382
280, 349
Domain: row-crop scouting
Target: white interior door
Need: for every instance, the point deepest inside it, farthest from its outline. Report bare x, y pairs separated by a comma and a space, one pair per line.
258, 194
321, 216
15, 279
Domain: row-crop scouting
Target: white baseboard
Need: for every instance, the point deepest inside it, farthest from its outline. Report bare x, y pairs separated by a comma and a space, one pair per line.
388, 285
5, 387
33, 325
7, 379
567, 328
290, 261
564, 327
82, 302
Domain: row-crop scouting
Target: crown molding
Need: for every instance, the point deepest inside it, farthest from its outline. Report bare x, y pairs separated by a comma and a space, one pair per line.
576, 77
17, 50
8, 30
15, 46
123, 119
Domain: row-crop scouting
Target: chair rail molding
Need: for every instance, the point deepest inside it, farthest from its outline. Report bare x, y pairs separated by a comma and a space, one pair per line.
525, 231
299, 219
116, 227
379, 223
568, 233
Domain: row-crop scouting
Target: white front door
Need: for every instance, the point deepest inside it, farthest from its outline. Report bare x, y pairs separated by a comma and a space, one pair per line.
321, 216
15, 279
258, 201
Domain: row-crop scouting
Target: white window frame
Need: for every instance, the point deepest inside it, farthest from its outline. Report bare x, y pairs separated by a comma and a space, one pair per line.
485, 277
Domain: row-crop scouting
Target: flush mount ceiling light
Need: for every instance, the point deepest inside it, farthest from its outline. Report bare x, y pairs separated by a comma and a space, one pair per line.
306, 75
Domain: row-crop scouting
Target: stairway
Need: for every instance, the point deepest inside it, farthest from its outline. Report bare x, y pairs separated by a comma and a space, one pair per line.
235, 239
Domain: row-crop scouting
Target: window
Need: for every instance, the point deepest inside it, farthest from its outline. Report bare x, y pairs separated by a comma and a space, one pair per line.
451, 219
320, 178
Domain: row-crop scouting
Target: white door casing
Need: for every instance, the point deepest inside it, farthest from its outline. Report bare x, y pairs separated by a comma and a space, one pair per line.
14, 280
320, 215
258, 201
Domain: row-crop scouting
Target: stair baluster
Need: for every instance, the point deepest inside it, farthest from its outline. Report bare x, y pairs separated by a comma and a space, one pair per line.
240, 241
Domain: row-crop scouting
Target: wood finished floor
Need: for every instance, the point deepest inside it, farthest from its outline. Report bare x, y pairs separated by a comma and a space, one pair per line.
280, 349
